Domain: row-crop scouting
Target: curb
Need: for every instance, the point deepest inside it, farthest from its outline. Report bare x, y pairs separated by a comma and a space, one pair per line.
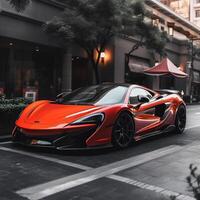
5, 138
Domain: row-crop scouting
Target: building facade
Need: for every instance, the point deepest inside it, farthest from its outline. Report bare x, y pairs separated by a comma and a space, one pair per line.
195, 12
178, 50
30, 59
181, 7
188, 9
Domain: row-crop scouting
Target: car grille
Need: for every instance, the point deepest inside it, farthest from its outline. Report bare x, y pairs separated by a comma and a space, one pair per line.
71, 140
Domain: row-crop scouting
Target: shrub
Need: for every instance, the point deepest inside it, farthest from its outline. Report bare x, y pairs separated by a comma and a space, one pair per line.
9, 112
194, 182
11, 106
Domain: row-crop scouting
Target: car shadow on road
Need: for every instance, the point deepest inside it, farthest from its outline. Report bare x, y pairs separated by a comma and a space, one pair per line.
161, 140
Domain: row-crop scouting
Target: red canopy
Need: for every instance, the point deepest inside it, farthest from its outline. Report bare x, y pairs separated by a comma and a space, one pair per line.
166, 67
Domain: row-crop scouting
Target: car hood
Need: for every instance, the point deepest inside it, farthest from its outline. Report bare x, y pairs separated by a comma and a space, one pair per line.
51, 115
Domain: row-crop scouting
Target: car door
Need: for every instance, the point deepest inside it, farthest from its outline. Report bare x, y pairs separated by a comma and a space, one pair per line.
144, 114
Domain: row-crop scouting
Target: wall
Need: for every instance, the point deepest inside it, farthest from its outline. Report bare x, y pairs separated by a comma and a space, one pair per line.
122, 47
27, 25
177, 52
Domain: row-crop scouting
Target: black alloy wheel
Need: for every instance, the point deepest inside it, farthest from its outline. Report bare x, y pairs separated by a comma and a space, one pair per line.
180, 122
123, 131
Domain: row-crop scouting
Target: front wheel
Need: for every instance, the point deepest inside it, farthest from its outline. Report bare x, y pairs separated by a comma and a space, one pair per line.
180, 121
123, 131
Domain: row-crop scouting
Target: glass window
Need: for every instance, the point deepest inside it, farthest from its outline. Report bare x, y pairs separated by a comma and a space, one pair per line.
96, 95
139, 91
197, 13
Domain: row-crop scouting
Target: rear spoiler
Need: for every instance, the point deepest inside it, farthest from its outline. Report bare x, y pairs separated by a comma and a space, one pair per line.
166, 91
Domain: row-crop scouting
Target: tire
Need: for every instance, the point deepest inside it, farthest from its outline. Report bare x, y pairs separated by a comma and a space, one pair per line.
180, 121
123, 131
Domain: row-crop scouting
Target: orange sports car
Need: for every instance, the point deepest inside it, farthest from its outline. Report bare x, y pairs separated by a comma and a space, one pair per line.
100, 115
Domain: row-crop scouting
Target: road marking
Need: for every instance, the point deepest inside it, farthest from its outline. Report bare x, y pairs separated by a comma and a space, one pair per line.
192, 127
44, 190
153, 188
8, 142
55, 160
193, 108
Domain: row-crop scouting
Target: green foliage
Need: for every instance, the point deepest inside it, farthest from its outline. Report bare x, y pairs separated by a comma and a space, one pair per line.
88, 23
148, 35
9, 106
156, 40
19, 5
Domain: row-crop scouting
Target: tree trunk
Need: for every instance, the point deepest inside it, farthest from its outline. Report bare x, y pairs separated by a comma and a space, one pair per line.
96, 73
134, 48
95, 66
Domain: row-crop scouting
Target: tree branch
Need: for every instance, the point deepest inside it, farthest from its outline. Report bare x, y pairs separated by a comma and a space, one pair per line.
136, 46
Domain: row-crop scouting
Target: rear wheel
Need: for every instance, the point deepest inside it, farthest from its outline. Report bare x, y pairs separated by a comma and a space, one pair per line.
123, 131
180, 121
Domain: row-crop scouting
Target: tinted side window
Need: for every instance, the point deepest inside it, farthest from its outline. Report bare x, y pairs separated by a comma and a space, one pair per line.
139, 91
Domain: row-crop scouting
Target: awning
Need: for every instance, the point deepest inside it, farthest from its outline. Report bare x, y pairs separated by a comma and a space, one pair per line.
138, 65
166, 67
137, 68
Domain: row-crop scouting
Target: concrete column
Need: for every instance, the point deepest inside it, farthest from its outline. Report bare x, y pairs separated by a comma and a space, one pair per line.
156, 82
67, 71
11, 72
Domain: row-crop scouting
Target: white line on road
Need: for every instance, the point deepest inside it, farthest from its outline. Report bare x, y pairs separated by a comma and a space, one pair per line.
8, 142
44, 190
55, 160
192, 109
192, 127
153, 188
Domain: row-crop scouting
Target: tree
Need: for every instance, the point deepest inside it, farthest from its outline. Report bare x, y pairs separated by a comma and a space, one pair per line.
88, 23
19, 5
91, 24
147, 35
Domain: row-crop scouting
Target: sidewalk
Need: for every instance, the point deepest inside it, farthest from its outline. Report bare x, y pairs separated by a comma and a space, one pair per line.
169, 172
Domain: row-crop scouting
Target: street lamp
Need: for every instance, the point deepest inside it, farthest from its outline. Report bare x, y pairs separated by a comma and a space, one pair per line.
102, 56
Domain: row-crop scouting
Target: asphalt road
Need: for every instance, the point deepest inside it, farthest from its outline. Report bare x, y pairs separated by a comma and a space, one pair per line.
155, 168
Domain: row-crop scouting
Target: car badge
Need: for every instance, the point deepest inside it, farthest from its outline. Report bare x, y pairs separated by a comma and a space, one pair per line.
36, 122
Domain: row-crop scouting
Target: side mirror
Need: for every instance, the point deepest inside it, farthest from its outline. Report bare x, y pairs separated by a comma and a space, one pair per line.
59, 98
143, 99
60, 95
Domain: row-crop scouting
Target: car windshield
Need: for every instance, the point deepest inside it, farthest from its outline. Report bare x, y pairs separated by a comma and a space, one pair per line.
96, 95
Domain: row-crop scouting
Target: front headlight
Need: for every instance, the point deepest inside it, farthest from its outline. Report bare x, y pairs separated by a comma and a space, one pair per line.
96, 118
